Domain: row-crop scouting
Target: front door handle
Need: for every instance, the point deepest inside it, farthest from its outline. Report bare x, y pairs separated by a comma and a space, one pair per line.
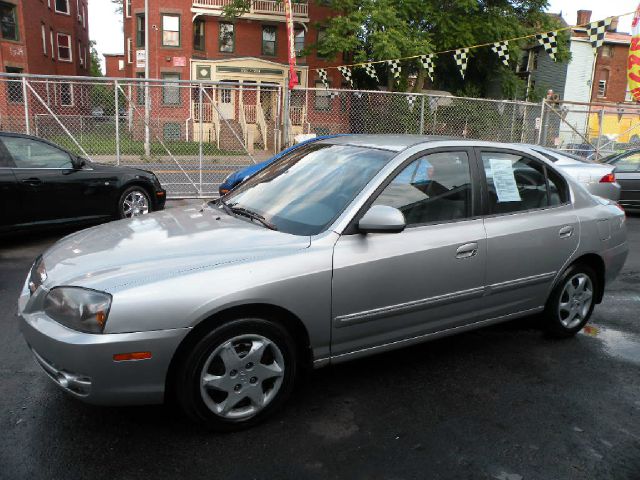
467, 250
34, 182
566, 232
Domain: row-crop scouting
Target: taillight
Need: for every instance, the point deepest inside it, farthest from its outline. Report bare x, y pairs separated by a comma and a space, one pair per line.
608, 178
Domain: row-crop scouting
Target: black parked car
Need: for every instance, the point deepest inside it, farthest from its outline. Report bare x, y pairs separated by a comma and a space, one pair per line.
41, 184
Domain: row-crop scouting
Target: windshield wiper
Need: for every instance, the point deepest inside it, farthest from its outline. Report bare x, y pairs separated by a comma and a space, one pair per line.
231, 209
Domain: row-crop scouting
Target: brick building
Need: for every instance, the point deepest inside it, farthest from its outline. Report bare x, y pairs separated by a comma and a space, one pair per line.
193, 40
610, 77
48, 37
115, 66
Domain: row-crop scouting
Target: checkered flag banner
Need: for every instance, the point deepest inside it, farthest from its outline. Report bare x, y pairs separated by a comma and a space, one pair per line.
333, 94
462, 58
395, 67
549, 41
597, 31
502, 49
322, 73
346, 73
427, 63
371, 71
411, 99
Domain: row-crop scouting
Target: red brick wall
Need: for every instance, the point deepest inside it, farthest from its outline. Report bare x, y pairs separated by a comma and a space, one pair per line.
248, 40
28, 52
112, 66
615, 68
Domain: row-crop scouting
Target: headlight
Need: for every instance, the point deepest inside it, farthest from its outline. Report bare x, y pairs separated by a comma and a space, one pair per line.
78, 308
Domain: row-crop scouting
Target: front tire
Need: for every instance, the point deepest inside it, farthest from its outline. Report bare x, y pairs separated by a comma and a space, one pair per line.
134, 202
572, 301
237, 375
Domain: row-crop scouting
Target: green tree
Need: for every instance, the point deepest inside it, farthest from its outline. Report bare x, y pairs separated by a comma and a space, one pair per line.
385, 29
119, 5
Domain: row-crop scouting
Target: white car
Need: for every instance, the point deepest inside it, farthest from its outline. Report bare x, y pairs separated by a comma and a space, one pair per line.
599, 179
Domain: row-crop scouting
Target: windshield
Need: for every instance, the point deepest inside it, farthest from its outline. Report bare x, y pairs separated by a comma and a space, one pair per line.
307, 189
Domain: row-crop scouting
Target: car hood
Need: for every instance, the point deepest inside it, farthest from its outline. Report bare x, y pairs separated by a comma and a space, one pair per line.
160, 245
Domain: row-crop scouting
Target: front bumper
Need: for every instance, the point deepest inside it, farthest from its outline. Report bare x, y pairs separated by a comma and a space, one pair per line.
82, 364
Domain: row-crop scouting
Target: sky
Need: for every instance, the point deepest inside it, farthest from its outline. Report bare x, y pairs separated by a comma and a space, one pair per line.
106, 26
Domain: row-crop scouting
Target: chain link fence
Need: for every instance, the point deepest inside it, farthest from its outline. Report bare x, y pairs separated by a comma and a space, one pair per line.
590, 130
194, 134
326, 111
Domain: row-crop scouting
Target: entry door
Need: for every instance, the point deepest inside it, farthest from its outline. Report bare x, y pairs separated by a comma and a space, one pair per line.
390, 287
268, 99
227, 102
532, 231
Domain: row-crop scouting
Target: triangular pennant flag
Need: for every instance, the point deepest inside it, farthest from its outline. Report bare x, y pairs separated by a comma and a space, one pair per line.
462, 57
346, 73
395, 67
371, 71
427, 63
597, 32
620, 114
550, 43
502, 49
322, 73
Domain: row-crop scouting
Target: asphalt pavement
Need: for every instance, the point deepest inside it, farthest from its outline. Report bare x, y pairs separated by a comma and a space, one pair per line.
501, 403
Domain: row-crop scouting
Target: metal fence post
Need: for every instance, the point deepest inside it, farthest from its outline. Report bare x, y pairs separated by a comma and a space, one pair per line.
285, 116
542, 123
25, 98
422, 115
200, 144
117, 114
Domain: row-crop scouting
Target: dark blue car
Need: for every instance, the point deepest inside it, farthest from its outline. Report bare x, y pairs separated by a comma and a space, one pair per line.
236, 178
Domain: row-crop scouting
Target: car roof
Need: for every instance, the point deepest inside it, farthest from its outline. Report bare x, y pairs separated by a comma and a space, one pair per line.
394, 143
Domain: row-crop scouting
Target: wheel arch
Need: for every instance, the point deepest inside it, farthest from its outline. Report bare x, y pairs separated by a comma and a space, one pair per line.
596, 263
137, 182
273, 313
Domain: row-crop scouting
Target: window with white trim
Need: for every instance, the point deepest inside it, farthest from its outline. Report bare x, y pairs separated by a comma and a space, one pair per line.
602, 88
62, 6
53, 46
65, 53
170, 30
44, 38
129, 50
127, 8
65, 94
80, 57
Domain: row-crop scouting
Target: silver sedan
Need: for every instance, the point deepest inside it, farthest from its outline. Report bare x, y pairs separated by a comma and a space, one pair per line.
598, 178
343, 248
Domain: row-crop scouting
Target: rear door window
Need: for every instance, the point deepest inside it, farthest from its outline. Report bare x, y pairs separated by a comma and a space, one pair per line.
518, 183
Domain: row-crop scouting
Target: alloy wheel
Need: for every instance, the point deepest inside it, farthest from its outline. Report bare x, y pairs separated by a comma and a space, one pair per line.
135, 204
575, 300
242, 376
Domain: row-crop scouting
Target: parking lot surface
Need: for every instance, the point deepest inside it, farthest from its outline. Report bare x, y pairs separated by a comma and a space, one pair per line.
500, 403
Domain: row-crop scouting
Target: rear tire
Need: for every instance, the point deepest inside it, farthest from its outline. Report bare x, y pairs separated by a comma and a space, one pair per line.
236, 375
571, 302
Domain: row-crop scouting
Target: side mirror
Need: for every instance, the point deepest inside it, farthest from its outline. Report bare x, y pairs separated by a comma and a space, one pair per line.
78, 163
382, 219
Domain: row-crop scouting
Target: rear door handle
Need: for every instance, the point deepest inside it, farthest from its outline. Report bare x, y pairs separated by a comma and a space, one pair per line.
467, 250
566, 232
34, 182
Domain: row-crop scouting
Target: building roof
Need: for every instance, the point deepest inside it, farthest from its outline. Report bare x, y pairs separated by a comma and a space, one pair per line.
616, 37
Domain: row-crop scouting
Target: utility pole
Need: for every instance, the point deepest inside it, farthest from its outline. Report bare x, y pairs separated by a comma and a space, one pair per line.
147, 100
